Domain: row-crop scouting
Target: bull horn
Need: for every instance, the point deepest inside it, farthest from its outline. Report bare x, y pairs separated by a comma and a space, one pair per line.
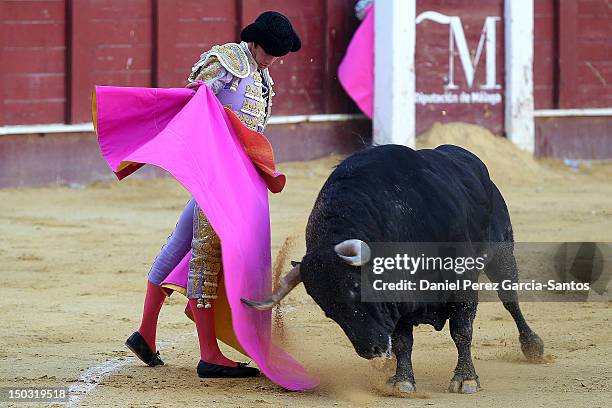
354, 252
287, 283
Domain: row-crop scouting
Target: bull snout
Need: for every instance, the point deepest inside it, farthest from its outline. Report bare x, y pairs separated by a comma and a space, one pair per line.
374, 350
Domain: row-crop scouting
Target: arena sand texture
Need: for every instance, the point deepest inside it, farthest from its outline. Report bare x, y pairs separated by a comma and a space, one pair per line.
74, 264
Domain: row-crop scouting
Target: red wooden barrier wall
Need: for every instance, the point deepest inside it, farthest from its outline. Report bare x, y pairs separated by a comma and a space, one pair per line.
573, 69
585, 55
573, 54
110, 44
32, 62
545, 48
56, 50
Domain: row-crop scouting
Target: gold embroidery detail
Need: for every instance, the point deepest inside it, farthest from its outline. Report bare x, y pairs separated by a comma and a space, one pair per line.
205, 262
247, 52
209, 71
254, 108
253, 89
233, 58
251, 113
255, 97
257, 78
248, 120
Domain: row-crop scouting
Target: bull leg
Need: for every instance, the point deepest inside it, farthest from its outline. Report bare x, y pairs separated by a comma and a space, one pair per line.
503, 267
403, 380
465, 380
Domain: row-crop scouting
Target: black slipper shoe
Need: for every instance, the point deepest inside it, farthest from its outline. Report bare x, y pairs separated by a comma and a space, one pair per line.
209, 370
139, 346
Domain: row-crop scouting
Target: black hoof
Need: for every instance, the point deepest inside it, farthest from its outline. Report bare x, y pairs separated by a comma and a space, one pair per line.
400, 385
462, 385
139, 346
532, 346
209, 370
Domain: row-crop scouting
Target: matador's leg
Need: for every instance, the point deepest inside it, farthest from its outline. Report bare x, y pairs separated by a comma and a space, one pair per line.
175, 248
205, 263
204, 270
142, 342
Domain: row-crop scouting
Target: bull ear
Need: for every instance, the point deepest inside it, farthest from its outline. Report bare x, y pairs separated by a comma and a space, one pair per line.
287, 283
354, 252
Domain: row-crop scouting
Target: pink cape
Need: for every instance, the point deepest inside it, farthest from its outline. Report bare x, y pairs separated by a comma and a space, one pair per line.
189, 135
356, 71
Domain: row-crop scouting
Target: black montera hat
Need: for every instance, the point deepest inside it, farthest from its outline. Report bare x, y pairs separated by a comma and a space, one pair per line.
274, 33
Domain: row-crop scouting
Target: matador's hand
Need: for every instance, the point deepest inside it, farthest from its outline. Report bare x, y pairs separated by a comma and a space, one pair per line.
195, 84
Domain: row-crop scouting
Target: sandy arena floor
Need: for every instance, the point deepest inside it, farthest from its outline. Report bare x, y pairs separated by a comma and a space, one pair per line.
74, 265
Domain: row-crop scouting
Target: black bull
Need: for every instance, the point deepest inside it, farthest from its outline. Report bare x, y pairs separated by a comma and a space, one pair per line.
392, 193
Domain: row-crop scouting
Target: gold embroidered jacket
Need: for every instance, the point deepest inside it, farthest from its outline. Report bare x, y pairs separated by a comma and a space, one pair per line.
231, 72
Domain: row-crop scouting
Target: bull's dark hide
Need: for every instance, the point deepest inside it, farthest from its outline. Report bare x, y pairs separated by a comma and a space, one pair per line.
392, 193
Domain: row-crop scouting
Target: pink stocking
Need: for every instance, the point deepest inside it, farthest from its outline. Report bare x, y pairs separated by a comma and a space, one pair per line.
154, 300
205, 325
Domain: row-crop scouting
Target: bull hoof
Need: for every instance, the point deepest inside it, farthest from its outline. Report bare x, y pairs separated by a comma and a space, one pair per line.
460, 385
532, 346
401, 386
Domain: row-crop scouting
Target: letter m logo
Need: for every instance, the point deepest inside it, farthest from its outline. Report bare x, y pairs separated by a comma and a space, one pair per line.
457, 38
